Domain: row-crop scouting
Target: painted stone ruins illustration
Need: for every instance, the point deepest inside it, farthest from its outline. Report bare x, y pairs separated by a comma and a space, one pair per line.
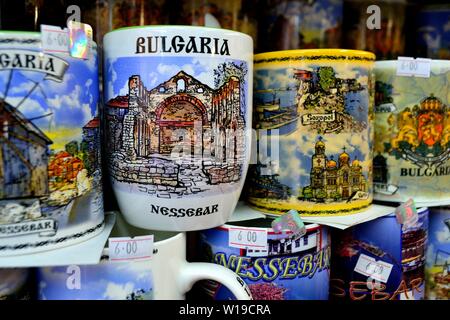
182, 137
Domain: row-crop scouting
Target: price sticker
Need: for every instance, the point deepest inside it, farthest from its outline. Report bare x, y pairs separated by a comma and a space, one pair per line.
290, 221
80, 39
54, 39
126, 249
378, 270
406, 213
410, 67
244, 238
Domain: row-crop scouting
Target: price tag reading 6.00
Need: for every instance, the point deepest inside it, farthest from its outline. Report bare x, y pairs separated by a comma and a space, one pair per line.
409, 67
124, 249
241, 237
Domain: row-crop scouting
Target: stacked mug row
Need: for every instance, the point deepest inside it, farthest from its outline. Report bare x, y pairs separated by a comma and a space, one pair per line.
180, 133
360, 263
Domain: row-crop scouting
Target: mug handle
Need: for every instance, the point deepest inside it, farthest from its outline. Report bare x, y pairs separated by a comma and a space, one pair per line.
191, 272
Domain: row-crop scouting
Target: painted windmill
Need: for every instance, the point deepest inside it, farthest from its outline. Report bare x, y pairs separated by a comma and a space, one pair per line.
23, 149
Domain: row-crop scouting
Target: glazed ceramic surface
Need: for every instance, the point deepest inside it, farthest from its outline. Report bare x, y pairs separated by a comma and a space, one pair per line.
433, 40
166, 275
292, 267
313, 113
380, 260
386, 40
238, 15
301, 24
437, 269
13, 284
50, 179
412, 135
178, 110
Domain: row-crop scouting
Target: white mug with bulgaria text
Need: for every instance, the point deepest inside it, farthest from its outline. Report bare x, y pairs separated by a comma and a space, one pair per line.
178, 106
166, 275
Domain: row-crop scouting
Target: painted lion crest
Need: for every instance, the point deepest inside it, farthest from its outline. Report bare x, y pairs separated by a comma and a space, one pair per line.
421, 134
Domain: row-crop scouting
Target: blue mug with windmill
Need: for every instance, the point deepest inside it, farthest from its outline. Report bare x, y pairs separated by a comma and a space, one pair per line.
50, 179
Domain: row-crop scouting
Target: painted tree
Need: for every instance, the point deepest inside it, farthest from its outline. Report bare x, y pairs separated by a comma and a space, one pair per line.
327, 78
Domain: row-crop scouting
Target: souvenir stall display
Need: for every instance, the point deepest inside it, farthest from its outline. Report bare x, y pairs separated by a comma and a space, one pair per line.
317, 105
212, 151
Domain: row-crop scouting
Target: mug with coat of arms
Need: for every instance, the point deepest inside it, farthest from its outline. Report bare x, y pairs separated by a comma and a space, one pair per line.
412, 135
313, 115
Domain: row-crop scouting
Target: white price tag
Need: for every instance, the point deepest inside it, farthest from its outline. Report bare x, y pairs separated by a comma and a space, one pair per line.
378, 270
409, 67
125, 249
241, 237
54, 39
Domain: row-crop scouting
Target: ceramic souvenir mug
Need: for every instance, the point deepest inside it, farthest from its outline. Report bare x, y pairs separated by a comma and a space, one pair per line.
166, 275
380, 260
50, 173
178, 106
13, 284
302, 24
289, 268
433, 39
412, 135
316, 106
437, 268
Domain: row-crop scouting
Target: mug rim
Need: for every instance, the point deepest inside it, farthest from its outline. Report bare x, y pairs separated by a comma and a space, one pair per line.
176, 26
343, 53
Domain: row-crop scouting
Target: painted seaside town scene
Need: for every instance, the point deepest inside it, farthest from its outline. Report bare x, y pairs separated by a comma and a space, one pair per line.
176, 129
320, 115
50, 149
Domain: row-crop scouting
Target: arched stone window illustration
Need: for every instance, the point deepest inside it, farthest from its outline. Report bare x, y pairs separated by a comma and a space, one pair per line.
181, 85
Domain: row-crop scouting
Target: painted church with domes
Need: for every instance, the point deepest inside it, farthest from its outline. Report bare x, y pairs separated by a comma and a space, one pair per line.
333, 180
